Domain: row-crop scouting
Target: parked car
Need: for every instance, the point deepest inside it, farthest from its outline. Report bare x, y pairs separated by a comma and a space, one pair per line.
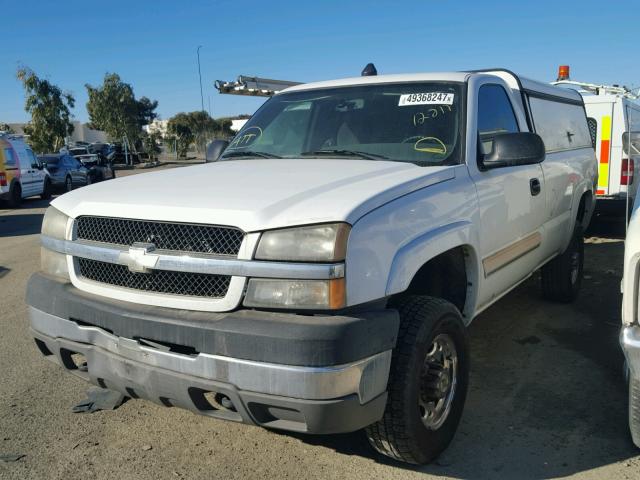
103, 149
320, 276
99, 169
21, 175
613, 112
66, 171
77, 151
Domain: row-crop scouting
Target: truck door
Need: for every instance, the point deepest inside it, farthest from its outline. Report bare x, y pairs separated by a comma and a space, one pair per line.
511, 199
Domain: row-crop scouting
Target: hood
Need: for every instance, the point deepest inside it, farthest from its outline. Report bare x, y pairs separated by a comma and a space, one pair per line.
255, 194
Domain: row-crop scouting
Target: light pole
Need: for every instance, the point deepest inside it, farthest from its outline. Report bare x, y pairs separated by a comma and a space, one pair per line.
200, 76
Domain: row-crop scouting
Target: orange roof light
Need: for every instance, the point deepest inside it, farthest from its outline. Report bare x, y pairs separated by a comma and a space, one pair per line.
563, 72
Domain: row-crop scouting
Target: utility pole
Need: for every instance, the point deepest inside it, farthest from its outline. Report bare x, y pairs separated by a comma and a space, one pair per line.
200, 76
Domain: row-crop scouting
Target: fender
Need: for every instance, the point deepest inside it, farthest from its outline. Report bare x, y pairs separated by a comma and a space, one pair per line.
582, 188
413, 255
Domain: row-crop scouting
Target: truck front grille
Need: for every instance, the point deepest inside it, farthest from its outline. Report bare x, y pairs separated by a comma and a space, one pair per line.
157, 281
181, 237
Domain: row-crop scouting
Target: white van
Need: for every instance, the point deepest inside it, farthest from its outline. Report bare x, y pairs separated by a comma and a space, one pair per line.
21, 174
611, 112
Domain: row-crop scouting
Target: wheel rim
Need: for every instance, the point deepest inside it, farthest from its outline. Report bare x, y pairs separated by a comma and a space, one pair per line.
438, 381
575, 267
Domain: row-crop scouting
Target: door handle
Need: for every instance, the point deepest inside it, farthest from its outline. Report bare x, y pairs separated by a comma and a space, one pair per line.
534, 185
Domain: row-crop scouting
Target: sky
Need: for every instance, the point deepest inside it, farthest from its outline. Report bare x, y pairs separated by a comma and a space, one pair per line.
152, 44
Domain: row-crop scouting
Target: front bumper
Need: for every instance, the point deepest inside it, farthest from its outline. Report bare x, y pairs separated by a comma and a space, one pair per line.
299, 395
630, 343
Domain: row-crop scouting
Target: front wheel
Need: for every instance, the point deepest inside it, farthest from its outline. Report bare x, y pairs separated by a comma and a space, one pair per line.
562, 276
427, 382
68, 184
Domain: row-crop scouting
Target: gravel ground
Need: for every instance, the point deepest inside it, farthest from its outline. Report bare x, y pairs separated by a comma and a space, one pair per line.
547, 397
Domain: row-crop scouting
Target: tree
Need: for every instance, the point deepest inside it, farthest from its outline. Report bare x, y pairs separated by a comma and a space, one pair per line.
6, 128
192, 127
179, 131
150, 142
113, 108
50, 112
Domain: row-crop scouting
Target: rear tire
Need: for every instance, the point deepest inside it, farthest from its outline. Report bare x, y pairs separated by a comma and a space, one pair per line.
562, 276
634, 410
425, 396
15, 195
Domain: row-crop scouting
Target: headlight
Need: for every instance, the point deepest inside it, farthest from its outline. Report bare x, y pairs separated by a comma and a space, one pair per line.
54, 223
302, 294
315, 243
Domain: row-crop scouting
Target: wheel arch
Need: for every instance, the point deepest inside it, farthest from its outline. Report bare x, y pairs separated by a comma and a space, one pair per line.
442, 263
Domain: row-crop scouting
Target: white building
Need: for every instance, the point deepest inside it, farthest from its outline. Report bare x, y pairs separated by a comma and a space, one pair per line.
157, 126
238, 123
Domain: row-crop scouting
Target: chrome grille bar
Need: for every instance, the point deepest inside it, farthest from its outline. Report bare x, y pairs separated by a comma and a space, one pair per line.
199, 263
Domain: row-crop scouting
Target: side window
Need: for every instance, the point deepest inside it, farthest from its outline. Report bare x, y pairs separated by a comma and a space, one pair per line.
562, 125
593, 130
10, 159
495, 115
32, 158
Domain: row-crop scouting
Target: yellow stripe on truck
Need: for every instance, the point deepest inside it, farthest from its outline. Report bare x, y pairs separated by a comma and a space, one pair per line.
605, 147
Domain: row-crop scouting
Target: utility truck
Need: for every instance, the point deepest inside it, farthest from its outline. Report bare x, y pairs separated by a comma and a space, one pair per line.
320, 275
613, 115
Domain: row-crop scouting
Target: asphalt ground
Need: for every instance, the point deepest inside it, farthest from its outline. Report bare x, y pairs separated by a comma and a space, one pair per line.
547, 397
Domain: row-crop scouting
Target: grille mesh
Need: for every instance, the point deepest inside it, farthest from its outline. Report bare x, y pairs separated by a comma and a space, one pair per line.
183, 237
158, 281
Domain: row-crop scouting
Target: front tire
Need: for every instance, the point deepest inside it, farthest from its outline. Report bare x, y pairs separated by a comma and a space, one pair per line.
562, 276
427, 382
68, 184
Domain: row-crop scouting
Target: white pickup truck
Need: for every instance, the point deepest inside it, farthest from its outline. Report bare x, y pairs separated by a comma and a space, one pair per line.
320, 276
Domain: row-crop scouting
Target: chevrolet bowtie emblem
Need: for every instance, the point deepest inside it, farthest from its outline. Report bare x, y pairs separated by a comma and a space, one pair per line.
139, 258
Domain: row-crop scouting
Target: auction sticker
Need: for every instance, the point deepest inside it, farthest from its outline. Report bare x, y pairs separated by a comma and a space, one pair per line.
431, 98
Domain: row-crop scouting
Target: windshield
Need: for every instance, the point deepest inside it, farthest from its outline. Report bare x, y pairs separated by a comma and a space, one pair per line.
410, 122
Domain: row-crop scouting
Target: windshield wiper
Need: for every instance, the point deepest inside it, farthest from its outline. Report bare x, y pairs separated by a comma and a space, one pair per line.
350, 153
249, 153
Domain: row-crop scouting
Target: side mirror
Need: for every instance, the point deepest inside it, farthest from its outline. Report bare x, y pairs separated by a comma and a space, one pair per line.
512, 149
215, 150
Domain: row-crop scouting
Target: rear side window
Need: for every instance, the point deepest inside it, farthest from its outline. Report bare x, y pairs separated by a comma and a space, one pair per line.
593, 130
562, 126
495, 115
10, 159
